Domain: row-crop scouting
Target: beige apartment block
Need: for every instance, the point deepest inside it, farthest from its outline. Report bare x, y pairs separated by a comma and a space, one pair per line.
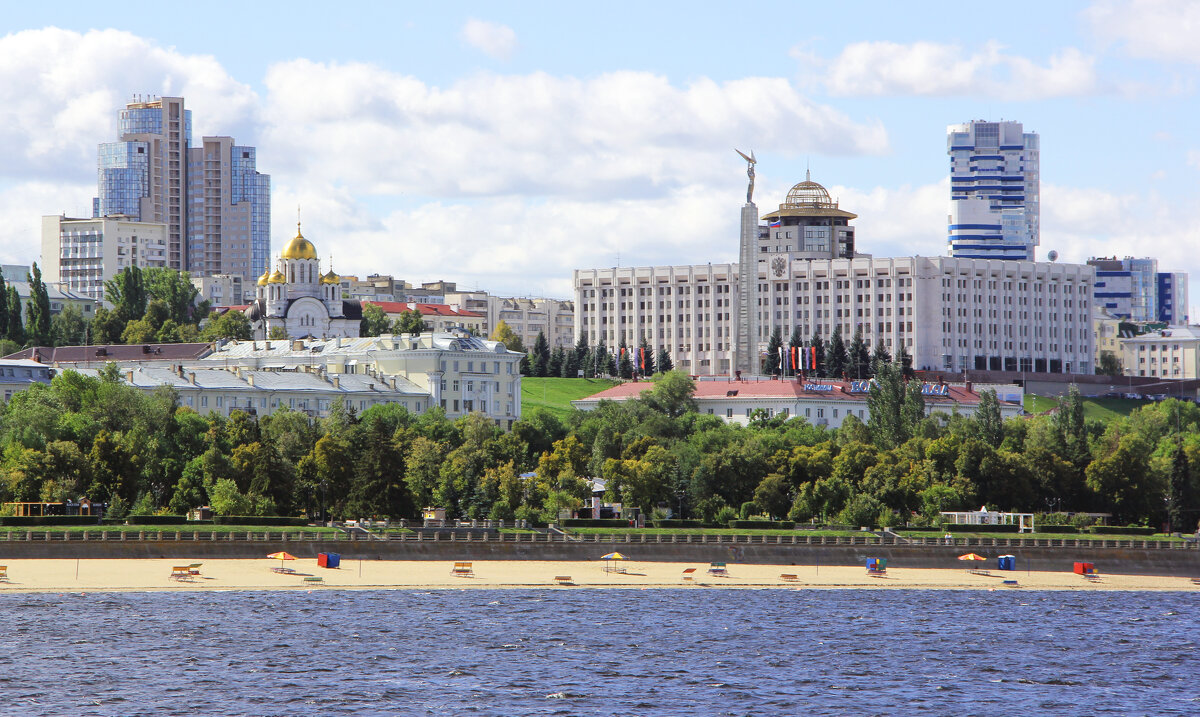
79, 255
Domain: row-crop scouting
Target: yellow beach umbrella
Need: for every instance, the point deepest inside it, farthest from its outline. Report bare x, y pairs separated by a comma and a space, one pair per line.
281, 556
971, 556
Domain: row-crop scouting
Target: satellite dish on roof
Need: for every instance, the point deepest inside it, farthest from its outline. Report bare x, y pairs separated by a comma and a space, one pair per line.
1053, 255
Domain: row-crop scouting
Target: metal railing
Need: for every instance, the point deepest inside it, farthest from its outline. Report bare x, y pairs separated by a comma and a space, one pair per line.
533, 538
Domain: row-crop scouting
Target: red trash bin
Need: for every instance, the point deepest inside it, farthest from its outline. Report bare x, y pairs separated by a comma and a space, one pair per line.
322, 560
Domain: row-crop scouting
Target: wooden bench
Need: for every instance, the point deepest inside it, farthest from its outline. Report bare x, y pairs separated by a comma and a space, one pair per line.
718, 569
463, 570
194, 568
788, 578
563, 580
181, 572
689, 574
316, 579
4, 573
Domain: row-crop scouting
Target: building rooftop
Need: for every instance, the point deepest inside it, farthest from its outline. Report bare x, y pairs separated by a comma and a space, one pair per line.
787, 389
396, 307
113, 352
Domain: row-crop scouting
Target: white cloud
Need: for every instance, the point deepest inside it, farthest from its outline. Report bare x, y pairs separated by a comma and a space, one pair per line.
933, 69
1154, 29
618, 135
60, 91
22, 205
493, 39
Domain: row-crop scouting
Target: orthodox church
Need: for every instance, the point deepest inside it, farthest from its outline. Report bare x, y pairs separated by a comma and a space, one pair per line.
299, 299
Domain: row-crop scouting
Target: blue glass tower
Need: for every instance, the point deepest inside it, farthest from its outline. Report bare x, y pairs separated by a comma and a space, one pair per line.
994, 191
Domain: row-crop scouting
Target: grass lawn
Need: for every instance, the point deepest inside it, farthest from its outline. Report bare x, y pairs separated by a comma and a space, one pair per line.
1049, 535
555, 394
1101, 409
713, 531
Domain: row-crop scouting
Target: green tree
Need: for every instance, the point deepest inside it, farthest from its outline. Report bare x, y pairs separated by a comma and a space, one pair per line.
37, 311
773, 360
374, 321
643, 358
138, 332
859, 359
836, 360
230, 325
672, 394
570, 365
1179, 480
540, 356
663, 361
127, 293
879, 356
68, 327
1109, 364
225, 498
625, 363
3, 309
505, 335
554, 366
410, 322
885, 404
277, 333
107, 326
905, 360
817, 343
174, 289
987, 416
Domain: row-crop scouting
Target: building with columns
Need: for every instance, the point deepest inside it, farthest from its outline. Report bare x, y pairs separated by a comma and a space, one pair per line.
299, 299
948, 313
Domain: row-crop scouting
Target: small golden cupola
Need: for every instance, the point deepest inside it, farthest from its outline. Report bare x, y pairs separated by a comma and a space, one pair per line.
330, 278
299, 247
266, 277
277, 278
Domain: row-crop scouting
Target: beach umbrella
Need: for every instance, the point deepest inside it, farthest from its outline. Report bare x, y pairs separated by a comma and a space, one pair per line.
611, 556
281, 556
971, 556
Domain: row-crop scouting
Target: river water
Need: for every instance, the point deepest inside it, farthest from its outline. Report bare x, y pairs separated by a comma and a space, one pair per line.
600, 652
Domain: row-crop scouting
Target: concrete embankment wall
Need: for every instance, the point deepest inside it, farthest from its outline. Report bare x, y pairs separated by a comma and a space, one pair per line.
1134, 561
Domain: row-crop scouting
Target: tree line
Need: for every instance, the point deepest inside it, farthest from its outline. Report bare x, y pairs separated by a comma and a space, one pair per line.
144, 453
584, 360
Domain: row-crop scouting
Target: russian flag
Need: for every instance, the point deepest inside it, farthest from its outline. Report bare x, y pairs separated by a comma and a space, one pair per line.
774, 223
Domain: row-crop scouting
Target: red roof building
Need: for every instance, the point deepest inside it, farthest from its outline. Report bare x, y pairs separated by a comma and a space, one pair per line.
821, 402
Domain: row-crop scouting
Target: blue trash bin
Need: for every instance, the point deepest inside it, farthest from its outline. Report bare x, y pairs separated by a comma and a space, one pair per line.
333, 560
1006, 562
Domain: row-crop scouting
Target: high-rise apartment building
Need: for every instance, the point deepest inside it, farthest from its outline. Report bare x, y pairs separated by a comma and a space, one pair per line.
994, 194
1134, 289
213, 201
229, 210
79, 255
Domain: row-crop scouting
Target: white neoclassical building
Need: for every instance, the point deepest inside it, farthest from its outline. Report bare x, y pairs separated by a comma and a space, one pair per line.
299, 299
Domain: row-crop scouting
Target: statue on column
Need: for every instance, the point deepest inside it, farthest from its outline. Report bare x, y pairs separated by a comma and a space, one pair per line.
750, 162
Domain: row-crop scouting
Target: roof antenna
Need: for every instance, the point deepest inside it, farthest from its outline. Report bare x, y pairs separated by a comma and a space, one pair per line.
807, 171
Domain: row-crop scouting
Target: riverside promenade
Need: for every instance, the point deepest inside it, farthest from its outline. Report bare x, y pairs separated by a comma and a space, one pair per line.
1130, 556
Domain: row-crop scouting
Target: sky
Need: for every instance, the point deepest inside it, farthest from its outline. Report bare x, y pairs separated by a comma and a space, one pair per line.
503, 145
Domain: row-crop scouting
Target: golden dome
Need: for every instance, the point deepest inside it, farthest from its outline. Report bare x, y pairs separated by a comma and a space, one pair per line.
330, 278
262, 280
277, 278
299, 247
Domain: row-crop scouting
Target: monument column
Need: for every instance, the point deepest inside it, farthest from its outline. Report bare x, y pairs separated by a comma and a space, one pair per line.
745, 357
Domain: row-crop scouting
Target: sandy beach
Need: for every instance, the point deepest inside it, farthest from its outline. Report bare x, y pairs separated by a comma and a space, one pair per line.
111, 575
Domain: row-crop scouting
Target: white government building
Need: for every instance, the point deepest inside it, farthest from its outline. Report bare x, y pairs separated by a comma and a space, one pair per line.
457, 372
949, 313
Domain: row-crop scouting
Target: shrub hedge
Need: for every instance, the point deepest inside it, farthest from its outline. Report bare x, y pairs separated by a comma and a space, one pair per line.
982, 528
275, 520
677, 523
156, 520
595, 523
31, 520
762, 524
1120, 530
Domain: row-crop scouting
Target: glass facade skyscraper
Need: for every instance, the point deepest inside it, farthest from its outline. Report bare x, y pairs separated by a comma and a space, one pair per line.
214, 202
994, 191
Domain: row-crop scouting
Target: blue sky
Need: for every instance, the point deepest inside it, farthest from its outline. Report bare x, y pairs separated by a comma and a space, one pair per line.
503, 145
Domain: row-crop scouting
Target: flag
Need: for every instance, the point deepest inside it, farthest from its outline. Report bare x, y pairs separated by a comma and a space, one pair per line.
781, 358
812, 363
642, 357
774, 223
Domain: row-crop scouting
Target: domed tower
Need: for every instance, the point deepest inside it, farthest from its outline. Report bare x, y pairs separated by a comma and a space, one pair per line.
276, 294
808, 225
300, 266
331, 293
260, 291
